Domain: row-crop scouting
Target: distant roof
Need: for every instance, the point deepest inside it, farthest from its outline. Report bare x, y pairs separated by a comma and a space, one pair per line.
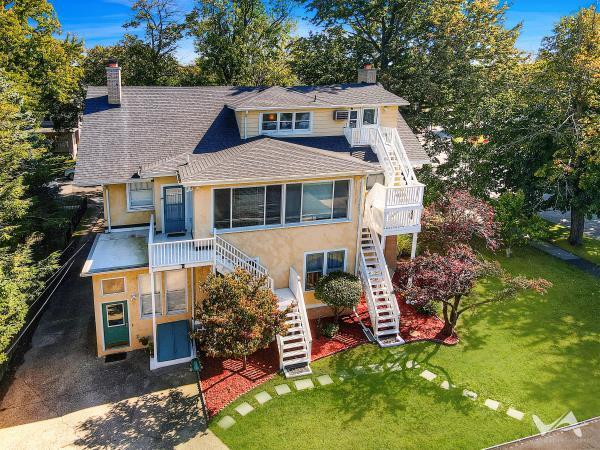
157, 129
316, 97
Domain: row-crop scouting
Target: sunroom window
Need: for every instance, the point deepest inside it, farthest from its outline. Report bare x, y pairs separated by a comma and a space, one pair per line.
140, 195
285, 122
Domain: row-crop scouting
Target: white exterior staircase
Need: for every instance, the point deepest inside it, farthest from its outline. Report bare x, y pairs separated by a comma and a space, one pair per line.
296, 344
379, 291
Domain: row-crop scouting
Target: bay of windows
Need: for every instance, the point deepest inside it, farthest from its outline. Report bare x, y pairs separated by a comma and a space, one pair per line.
264, 205
285, 122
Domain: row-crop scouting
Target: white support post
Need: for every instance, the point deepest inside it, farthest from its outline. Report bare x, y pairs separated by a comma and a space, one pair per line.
413, 250
152, 289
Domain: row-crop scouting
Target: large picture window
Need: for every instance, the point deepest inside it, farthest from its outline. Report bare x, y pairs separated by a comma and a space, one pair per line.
140, 195
285, 122
263, 205
320, 264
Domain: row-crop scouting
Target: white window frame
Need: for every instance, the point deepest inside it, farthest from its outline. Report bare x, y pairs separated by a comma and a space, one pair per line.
157, 299
179, 311
284, 132
324, 272
123, 305
282, 224
112, 293
128, 195
360, 115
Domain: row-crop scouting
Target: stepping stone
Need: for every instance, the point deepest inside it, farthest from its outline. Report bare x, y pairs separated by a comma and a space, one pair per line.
394, 367
244, 408
445, 385
324, 380
344, 376
492, 404
282, 389
226, 422
515, 414
305, 383
429, 376
412, 365
376, 368
470, 394
262, 397
360, 370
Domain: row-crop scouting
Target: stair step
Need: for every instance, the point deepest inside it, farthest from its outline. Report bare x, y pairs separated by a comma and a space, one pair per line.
294, 330
291, 362
294, 353
294, 345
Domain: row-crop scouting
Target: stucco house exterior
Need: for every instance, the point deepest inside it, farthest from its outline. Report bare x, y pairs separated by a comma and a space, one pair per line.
287, 182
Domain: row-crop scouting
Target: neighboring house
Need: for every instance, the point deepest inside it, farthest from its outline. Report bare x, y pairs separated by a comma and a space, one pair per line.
64, 142
291, 183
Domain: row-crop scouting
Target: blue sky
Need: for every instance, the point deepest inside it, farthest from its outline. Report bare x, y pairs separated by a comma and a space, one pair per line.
99, 21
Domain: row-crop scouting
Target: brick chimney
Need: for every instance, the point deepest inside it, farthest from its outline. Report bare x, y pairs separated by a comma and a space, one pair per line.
367, 74
113, 82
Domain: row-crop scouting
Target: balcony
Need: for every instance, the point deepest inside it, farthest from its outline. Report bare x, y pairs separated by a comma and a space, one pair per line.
395, 210
359, 137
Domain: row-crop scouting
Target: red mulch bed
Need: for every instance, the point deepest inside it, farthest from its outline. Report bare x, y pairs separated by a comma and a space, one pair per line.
224, 380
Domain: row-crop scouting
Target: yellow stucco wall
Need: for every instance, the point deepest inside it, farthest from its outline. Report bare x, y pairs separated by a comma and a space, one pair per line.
322, 121
120, 216
285, 247
138, 327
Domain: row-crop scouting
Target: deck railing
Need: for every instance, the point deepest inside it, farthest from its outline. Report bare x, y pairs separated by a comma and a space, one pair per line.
295, 285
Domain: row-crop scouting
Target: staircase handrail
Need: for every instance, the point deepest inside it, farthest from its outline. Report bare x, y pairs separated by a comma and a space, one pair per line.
403, 156
364, 275
386, 275
295, 285
238, 258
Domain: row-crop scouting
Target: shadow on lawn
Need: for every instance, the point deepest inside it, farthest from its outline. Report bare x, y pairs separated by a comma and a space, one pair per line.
560, 328
390, 391
153, 420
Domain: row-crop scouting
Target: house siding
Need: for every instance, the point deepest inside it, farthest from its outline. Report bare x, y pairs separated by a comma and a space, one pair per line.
139, 327
322, 121
278, 249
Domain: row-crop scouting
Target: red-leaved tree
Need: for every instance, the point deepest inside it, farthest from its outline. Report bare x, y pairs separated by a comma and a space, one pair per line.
448, 278
458, 218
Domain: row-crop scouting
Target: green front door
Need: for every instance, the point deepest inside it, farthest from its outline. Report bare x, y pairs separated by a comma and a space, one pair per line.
116, 324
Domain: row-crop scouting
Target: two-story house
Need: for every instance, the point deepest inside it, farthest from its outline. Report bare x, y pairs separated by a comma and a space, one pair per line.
287, 182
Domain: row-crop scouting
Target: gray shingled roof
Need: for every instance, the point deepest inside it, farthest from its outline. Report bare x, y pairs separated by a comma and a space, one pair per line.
155, 130
316, 97
268, 159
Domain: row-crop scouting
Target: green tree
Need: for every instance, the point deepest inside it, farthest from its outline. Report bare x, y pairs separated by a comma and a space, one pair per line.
339, 291
46, 70
516, 224
239, 315
20, 274
147, 61
242, 42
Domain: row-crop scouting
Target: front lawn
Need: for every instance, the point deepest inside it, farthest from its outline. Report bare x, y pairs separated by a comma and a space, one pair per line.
539, 355
590, 249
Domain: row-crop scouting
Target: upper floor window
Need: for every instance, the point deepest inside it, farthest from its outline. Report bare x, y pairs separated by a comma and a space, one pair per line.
281, 204
285, 122
140, 195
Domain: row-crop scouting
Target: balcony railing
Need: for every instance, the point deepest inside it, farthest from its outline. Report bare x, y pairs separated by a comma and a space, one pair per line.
359, 136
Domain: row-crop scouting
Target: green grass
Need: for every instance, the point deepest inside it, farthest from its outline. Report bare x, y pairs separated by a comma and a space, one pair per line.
590, 249
539, 354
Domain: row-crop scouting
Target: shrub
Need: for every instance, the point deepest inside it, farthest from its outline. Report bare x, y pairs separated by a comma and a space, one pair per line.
339, 290
328, 329
427, 309
404, 245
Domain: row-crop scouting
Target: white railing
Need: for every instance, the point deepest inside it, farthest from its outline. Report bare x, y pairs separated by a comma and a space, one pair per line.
358, 136
394, 210
404, 195
364, 275
295, 285
386, 274
191, 251
231, 256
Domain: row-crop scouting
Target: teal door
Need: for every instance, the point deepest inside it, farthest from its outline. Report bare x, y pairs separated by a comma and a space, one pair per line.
115, 318
174, 209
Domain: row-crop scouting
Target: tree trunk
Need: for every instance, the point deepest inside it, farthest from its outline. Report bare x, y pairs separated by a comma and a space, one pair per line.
577, 224
451, 319
508, 252
245, 363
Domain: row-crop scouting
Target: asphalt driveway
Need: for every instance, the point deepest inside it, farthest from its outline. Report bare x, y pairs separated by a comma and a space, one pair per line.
60, 394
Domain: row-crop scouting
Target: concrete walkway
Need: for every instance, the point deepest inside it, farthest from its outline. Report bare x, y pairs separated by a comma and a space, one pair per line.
591, 228
568, 257
60, 394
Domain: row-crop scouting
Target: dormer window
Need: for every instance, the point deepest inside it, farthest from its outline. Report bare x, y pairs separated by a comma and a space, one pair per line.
285, 122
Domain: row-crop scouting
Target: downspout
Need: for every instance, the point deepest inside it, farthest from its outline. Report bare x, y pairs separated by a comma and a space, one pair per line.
363, 187
245, 124
152, 289
107, 206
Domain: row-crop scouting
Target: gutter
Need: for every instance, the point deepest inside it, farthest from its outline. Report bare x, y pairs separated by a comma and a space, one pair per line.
107, 207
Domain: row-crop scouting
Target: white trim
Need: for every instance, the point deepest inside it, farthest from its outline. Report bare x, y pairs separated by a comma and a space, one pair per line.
324, 272
154, 364
106, 189
113, 293
293, 131
283, 223
127, 193
320, 106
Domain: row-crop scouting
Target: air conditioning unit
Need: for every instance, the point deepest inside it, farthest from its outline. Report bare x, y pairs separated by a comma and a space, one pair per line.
341, 114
